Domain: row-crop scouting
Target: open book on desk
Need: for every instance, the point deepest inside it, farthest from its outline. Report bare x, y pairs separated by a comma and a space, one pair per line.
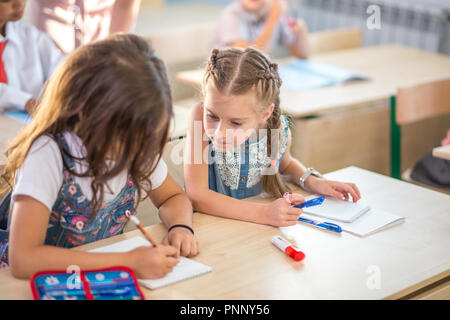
306, 74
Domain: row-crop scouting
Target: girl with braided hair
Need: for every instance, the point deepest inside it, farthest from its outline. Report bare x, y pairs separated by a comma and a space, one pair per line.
238, 144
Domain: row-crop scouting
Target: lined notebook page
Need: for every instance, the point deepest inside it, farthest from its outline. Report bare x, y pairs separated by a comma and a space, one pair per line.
184, 270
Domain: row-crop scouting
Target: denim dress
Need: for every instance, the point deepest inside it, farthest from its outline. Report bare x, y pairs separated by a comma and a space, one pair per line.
237, 173
71, 222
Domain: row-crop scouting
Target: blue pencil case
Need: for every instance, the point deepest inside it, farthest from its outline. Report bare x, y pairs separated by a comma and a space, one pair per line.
117, 283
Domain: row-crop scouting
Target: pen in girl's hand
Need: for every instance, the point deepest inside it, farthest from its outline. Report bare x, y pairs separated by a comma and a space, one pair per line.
311, 203
139, 225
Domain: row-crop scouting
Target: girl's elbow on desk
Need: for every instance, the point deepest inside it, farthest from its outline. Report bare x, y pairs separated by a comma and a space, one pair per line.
21, 264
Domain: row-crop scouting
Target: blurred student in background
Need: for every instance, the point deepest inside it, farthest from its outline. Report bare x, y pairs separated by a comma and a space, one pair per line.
72, 23
27, 58
263, 24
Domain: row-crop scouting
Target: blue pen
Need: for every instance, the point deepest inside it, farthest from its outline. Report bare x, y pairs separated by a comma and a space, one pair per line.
311, 203
324, 225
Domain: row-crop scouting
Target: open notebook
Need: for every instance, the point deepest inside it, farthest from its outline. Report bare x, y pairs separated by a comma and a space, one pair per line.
184, 270
307, 74
338, 210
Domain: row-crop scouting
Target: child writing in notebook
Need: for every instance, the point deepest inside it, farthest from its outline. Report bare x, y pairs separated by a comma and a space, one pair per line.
27, 58
82, 166
263, 24
238, 144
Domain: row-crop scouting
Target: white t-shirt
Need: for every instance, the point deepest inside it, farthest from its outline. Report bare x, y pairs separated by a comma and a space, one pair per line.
41, 175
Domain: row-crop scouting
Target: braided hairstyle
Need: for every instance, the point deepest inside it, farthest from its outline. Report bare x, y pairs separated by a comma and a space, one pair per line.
235, 71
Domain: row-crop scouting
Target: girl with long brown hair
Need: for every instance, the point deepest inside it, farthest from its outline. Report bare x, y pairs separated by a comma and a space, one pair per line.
247, 142
92, 151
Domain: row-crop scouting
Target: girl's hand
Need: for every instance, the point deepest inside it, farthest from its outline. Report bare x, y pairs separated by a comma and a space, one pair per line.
299, 28
30, 106
184, 241
151, 263
279, 213
279, 6
335, 189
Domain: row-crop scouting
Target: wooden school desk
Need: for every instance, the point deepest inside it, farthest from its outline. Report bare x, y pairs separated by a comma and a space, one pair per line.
350, 123
407, 259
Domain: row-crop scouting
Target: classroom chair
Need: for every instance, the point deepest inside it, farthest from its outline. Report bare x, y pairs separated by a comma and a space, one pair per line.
331, 40
412, 104
179, 122
173, 156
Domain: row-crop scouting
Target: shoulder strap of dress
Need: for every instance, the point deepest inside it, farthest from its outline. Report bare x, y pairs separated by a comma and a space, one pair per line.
65, 151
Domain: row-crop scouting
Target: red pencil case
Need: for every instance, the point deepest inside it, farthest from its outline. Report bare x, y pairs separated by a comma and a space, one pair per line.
116, 283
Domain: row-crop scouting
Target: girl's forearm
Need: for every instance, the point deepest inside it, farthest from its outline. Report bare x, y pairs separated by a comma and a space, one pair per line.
124, 15
300, 48
294, 171
210, 202
53, 258
176, 210
272, 21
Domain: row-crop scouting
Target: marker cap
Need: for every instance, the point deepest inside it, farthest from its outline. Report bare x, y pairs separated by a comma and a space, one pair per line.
294, 253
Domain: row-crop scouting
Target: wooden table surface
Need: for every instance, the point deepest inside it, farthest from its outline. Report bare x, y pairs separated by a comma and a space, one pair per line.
245, 265
388, 66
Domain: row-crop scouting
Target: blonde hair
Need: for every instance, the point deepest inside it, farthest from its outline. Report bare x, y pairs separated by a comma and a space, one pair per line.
236, 71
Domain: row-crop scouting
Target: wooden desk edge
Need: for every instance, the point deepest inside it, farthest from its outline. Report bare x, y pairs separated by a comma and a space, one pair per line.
419, 288
340, 108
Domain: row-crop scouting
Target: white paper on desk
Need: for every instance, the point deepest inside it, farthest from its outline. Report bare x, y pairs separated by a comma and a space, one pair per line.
338, 210
370, 222
184, 270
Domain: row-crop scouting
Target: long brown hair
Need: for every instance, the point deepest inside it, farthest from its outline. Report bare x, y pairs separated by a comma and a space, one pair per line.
114, 95
236, 71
